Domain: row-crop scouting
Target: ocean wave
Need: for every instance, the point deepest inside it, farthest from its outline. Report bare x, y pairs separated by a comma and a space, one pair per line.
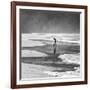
70, 58
70, 38
32, 53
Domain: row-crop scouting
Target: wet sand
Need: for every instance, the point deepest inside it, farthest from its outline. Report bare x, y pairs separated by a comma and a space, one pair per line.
39, 71
39, 61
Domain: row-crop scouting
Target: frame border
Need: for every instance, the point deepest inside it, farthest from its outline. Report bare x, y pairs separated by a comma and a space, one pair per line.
13, 44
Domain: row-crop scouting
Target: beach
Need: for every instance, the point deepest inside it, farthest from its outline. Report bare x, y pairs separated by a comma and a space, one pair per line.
39, 61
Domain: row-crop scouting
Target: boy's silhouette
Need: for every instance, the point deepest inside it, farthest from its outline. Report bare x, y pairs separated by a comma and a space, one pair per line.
54, 46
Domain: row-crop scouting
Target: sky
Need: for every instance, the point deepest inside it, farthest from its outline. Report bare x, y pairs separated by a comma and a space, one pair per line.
45, 21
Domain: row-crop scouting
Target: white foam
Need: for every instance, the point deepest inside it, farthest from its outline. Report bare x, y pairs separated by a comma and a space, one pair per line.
70, 38
70, 58
67, 74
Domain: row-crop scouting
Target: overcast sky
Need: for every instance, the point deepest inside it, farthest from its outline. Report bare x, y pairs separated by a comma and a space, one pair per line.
38, 21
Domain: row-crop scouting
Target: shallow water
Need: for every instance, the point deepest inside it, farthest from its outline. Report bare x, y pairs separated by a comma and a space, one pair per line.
38, 59
48, 67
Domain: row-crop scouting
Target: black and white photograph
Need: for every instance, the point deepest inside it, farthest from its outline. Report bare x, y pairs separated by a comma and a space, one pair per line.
50, 44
